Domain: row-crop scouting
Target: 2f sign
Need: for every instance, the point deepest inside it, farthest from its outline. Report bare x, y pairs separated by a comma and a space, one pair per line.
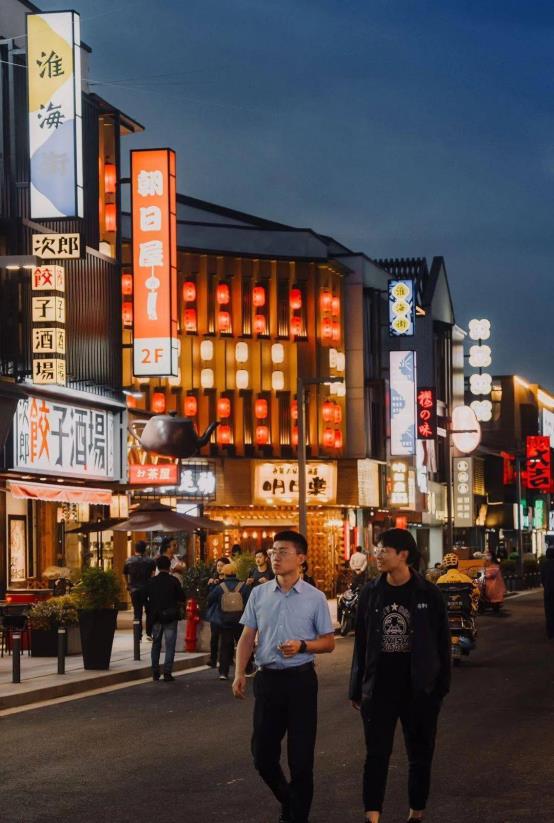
153, 356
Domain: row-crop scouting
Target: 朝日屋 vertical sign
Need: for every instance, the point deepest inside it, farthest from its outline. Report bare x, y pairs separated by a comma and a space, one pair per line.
426, 414
155, 343
55, 116
538, 463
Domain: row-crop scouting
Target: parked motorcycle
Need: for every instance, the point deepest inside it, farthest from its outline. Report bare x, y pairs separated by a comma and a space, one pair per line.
461, 620
347, 609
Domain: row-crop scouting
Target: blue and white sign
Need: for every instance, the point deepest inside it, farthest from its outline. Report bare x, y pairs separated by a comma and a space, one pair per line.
402, 403
401, 308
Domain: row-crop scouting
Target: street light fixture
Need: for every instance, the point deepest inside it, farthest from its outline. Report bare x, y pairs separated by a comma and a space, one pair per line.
301, 384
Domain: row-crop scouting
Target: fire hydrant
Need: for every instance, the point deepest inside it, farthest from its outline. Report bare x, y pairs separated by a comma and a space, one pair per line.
193, 619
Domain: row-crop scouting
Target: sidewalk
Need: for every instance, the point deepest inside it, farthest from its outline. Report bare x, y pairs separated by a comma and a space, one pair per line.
40, 681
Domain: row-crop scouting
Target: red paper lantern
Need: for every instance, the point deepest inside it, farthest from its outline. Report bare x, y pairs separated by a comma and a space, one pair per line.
224, 435
335, 307
260, 408
337, 413
295, 299
326, 300
328, 438
158, 402
222, 294
335, 331
294, 409
189, 291
338, 440
191, 405
224, 407
294, 436
262, 435
326, 329
258, 296
224, 321
190, 319
328, 411
109, 178
296, 325
126, 284
260, 324
131, 402
110, 221
127, 313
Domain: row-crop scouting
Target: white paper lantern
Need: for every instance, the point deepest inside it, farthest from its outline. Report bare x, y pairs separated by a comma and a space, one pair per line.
333, 358
479, 329
483, 410
341, 361
278, 381
207, 378
341, 389
241, 352
480, 357
278, 353
242, 379
207, 350
466, 431
480, 384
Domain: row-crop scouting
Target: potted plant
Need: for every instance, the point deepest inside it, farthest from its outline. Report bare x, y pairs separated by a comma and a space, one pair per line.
195, 584
97, 596
46, 617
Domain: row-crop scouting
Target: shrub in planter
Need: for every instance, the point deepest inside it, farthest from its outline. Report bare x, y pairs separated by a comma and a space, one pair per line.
97, 596
46, 617
243, 563
195, 583
508, 567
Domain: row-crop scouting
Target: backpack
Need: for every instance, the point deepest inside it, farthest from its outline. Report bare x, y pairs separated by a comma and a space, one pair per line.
232, 603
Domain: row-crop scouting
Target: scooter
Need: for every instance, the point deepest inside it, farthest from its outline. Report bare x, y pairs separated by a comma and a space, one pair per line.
461, 622
347, 609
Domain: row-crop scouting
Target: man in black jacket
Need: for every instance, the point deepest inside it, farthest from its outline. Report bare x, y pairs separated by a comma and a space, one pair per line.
163, 597
400, 670
138, 570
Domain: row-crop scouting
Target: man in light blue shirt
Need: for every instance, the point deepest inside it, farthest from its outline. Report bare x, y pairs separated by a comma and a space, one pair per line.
293, 624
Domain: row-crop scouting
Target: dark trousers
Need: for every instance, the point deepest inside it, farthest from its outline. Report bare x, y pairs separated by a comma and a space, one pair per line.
549, 614
169, 632
138, 606
214, 642
286, 703
418, 716
229, 635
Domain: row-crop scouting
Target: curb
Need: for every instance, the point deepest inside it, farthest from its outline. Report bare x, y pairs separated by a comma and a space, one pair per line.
40, 694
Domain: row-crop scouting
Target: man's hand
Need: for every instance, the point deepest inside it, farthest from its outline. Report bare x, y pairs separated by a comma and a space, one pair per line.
290, 647
239, 686
249, 581
262, 580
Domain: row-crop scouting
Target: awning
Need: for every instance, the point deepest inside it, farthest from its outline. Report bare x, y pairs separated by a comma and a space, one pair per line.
61, 493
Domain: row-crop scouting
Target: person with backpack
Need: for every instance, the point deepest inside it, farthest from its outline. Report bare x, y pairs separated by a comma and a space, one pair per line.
164, 599
229, 600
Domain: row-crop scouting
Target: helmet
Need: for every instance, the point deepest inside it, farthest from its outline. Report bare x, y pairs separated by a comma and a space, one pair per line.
450, 561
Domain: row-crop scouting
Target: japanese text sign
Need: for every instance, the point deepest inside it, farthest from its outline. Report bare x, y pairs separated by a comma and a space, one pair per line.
401, 308
278, 483
48, 325
399, 490
463, 492
55, 118
155, 344
150, 474
538, 463
57, 246
426, 414
66, 440
402, 403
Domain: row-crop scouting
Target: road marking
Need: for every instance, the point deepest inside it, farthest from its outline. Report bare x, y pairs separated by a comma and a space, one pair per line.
93, 692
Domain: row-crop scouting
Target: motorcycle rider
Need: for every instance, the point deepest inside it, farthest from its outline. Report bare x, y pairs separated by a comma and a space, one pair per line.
358, 565
452, 574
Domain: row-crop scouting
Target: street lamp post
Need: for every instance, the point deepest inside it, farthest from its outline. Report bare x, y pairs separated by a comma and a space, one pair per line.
301, 384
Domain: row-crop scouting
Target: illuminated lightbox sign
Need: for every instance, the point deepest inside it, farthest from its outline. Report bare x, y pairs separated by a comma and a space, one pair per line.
150, 474
538, 463
48, 343
55, 117
155, 343
399, 493
278, 483
58, 246
401, 308
463, 492
426, 414
402, 403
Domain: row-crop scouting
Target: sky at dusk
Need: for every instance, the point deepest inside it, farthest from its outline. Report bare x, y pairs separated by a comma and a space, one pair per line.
401, 128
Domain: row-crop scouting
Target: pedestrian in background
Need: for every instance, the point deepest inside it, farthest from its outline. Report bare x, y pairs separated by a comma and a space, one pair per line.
293, 624
229, 599
547, 579
306, 577
236, 551
215, 628
400, 670
262, 571
177, 567
164, 597
138, 570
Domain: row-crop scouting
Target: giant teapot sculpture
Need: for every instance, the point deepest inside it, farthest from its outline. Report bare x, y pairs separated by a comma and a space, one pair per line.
171, 436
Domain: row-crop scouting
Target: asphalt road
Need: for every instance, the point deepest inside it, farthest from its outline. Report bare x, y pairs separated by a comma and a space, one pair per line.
179, 753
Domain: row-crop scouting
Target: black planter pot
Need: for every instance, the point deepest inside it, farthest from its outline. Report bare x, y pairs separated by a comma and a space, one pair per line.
97, 632
44, 642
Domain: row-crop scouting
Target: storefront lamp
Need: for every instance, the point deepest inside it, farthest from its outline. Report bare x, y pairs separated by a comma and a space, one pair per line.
260, 408
294, 436
110, 217
338, 439
328, 438
479, 329
207, 349
335, 307
241, 352
110, 179
333, 358
242, 379
296, 326
126, 284
326, 328
207, 378
466, 431
158, 402
294, 410
258, 296
278, 381
262, 435
335, 331
190, 320
480, 357
337, 414
191, 405
278, 353
224, 435
480, 384
328, 411
260, 324
295, 299
224, 407
224, 321
189, 291
341, 361
222, 294
326, 300
127, 313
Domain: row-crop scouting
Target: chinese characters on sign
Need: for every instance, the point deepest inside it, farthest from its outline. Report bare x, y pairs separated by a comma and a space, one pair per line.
190, 481
538, 463
48, 326
402, 403
463, 492
55, 121
278, 482
57, 246
369, 491
399, 494
401, 308
150, 474
155, 344
66, 440
426, 414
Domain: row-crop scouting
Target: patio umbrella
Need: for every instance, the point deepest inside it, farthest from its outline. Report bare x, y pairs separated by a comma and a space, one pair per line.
156, 517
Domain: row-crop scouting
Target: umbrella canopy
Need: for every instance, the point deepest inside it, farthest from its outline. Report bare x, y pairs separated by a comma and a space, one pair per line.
95, 526
155, 517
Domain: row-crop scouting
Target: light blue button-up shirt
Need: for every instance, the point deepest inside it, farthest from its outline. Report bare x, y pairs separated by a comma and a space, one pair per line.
302, 613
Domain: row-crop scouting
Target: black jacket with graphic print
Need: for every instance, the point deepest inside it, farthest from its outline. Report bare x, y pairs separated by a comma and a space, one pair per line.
430, 636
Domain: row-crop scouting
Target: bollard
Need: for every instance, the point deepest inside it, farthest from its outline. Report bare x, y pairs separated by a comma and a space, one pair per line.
16, 657
61, 649
136, 639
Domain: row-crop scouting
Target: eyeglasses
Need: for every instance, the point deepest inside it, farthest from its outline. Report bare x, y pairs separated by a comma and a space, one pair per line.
279, 553
382, 550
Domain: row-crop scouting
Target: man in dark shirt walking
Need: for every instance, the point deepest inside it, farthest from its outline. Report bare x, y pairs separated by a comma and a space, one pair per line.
400, 670
163, 597
138, 570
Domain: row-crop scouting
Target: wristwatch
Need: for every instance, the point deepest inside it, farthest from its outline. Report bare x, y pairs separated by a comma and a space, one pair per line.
303, 647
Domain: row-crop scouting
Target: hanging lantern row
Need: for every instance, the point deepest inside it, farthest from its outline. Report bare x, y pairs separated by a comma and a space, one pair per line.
189, 320
224, 435
127, 313
158, 402
260, 408
222, 294
191, 405
260, 324
331, 412
110, 178
110, 217
294, 436
258, 296
224, 321
126, 284
189, 291
332, 439
262, 435
224, 407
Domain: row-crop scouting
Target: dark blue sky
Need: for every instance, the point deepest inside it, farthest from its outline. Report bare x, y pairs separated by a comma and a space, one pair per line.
401, 128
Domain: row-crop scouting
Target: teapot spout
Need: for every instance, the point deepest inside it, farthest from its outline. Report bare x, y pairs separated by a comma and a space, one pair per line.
202, 441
